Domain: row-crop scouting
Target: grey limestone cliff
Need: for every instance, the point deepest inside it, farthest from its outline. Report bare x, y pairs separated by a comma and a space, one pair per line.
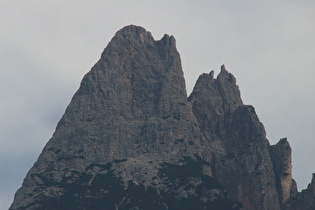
129, 123
281, 158
131, 139
241, 159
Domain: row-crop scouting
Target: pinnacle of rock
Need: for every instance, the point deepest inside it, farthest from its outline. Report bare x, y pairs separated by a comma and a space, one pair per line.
281, 158
131, 139
132, 108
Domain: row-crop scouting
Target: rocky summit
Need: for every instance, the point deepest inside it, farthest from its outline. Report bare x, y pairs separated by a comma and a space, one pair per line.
132, 139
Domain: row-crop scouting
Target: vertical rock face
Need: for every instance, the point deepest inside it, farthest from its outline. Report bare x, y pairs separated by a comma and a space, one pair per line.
136, 87
241, 159
126, 130
281, 158
130, 139
214, 100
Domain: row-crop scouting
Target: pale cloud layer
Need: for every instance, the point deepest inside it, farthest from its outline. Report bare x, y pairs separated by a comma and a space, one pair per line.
47, 46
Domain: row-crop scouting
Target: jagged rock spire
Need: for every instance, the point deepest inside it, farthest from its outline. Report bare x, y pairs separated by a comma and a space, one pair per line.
131, 106
212, 99
130, 139
236, 136
281, 158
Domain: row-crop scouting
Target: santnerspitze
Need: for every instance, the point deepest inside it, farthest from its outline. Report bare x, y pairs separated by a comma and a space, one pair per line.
132, 139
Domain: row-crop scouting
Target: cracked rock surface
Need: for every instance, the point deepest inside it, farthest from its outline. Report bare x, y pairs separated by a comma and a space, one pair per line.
131, 139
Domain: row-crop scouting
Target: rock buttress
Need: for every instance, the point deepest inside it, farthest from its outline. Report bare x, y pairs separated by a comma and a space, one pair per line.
125, 136
281, 158
240, 157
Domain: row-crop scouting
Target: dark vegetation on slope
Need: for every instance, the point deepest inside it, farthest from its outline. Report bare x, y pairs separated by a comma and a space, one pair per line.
106, 191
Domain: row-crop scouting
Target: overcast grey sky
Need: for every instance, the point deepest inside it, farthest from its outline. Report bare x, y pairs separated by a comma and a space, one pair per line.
47, 46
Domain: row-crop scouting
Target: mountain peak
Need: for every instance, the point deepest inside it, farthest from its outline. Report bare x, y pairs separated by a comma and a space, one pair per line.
133, 35
130, 111
132, 28
137, 35
130, 139
223, 69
